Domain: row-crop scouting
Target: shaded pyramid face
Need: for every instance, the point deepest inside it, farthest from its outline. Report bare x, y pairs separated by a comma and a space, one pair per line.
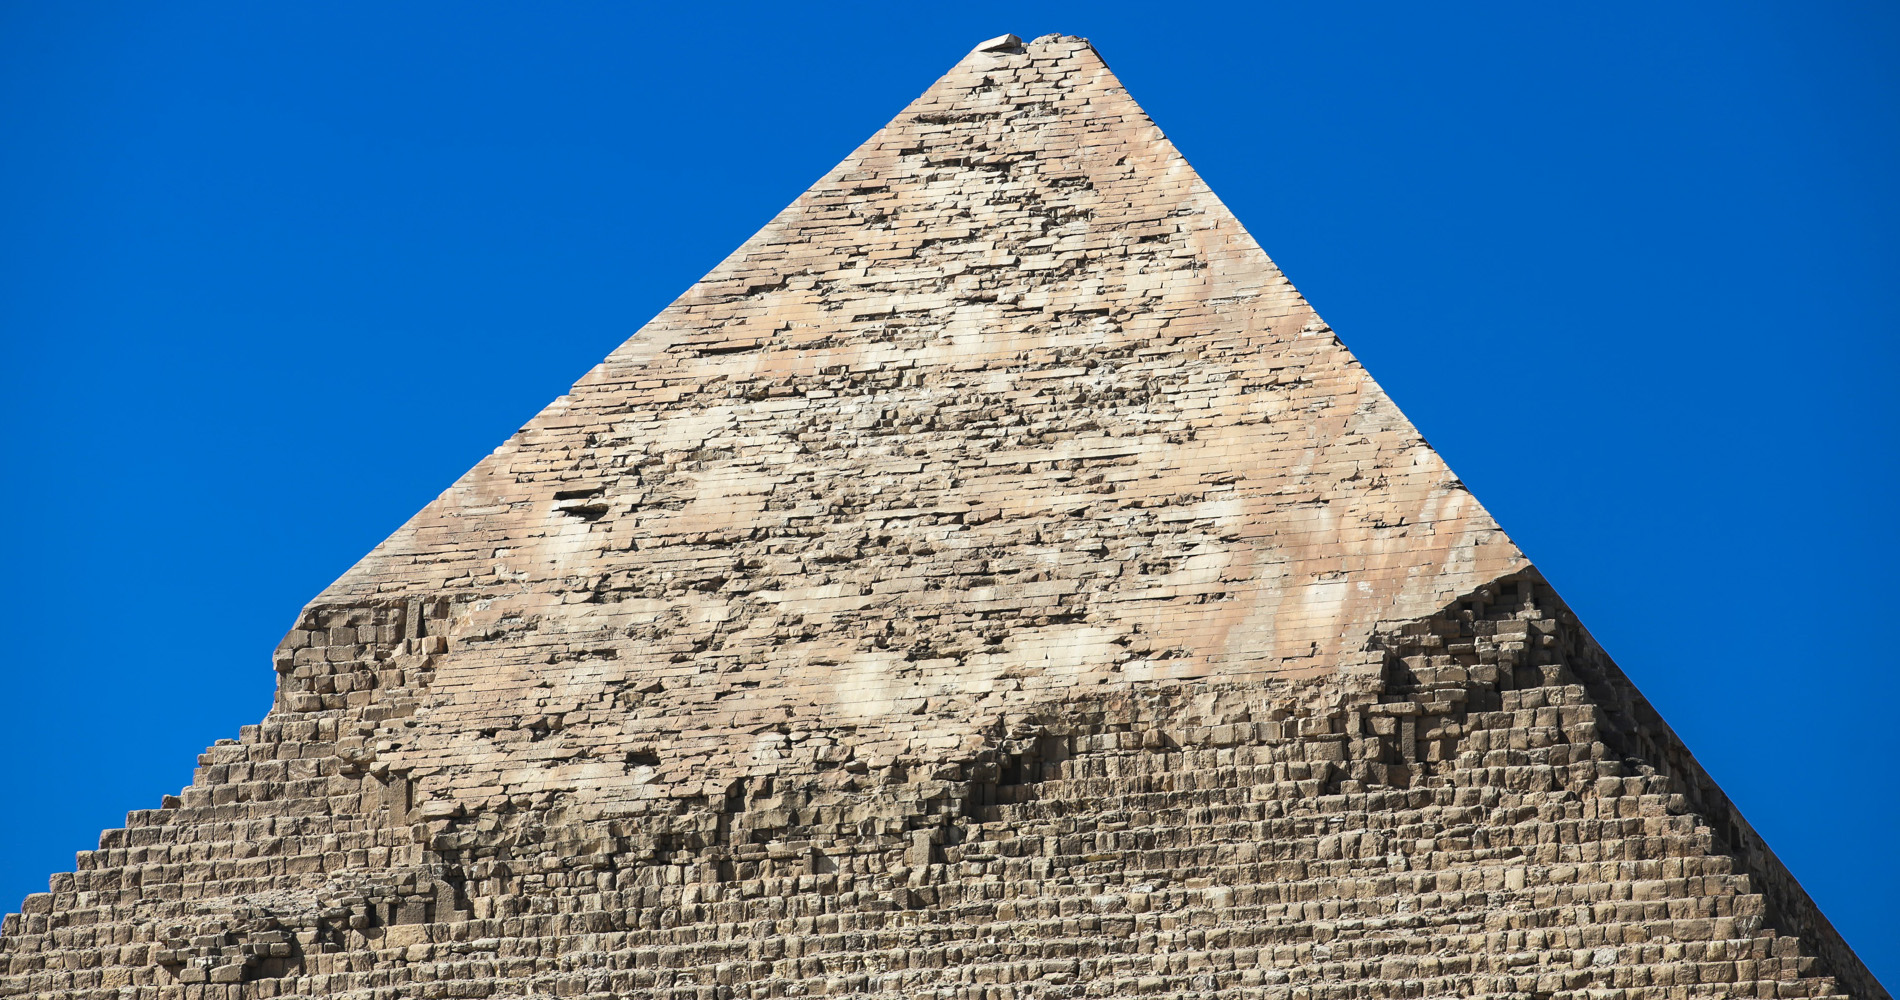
992, 580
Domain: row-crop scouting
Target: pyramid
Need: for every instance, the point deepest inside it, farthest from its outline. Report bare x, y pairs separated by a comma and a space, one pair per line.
993, 580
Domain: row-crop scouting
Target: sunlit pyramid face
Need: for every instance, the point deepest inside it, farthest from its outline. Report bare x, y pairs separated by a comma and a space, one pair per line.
1006, 407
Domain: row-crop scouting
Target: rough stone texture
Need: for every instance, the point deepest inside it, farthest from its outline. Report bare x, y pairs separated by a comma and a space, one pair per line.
991, 581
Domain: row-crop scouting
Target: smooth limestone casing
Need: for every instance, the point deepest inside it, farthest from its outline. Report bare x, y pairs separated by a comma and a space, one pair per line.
992, 580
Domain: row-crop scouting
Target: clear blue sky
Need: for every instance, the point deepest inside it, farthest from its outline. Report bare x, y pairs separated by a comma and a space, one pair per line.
273, 275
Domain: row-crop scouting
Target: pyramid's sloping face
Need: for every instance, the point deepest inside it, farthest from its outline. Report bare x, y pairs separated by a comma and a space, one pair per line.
1005, 406
992, 581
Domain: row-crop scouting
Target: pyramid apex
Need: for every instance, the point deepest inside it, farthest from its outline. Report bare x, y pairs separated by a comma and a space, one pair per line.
1001, 43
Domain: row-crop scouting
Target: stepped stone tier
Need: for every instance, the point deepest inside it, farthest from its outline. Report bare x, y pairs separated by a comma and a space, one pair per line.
992, 581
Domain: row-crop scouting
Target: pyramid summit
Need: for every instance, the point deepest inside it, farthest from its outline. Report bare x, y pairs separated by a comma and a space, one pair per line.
993, 580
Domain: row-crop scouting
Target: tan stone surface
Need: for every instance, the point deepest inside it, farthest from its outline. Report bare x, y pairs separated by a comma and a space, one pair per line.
992, 580
1006, 407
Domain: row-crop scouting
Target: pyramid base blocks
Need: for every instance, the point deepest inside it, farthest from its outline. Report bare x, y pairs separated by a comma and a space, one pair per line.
1479, 808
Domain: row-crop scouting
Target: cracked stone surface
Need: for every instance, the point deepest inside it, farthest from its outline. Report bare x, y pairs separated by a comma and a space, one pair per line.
993, 580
